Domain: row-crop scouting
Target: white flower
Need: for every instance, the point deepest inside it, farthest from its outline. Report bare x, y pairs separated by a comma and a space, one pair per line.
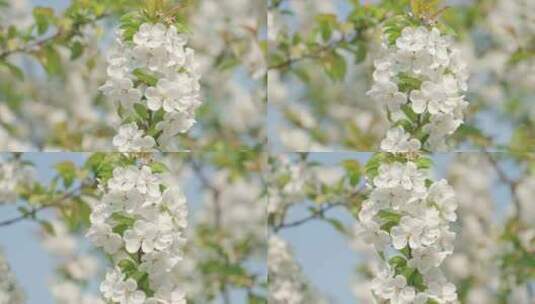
423, 66
116, 289
122, 90
397, 140
412, 39
160, 53
102, 236
442, 196
404, 211
148, 183
388, 93
149, 236
10, 291
131, 139
151, 226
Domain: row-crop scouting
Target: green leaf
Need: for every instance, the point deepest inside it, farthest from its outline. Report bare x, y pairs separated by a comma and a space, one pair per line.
47, 226
373, 164
145, 77
411, 115
336, 224
43, 17
127, 266
335, 66
15, 70
408, 83
327, 22
361, 52
141, 111
67, 170
76, 50
158, 167
424, 163
256, 299
389, 216
50, 60
397, 262
353, 170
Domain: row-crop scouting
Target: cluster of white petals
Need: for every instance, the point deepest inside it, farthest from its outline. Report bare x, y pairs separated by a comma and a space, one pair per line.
76, 269
140, 223
156, 52
422, 74
13, 173
409, 214
10, 292
286, 282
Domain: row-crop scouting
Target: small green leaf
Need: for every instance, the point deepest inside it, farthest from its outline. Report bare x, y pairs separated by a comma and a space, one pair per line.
158, 167
50, 60
43, 17
67, 171
15, 70
424, 163
411, 115
141, 111
353, 171
335, 66
76, 50
145, 77
408, 83
47, 226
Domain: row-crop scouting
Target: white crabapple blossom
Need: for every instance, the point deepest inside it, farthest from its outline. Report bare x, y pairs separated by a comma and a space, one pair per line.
10, 291
407, 213
287, 284
398, 140
158, 71
13, 173
140, 222
423, 73
131, 139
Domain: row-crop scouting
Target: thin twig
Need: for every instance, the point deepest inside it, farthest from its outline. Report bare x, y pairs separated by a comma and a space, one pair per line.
318, 213
512, 184
32, 213
215, 191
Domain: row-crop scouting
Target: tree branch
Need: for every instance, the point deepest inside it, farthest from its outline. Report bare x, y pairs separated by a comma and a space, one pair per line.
318, 213
32, 213
512, 184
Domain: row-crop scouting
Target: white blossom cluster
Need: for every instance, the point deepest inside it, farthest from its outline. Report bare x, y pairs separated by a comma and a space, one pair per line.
140, 223
408, 213
286, 282
76, 269
156, 52
12, 174
10, 292
471, 175
423, 74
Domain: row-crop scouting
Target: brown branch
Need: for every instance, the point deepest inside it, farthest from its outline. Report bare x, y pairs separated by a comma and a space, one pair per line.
512, 184
215, 191
317, 214
32, 213
316, 54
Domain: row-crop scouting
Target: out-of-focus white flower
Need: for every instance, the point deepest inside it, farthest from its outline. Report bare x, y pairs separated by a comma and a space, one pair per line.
10, 292
287, 284
397, 140
13, 173
131, 139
